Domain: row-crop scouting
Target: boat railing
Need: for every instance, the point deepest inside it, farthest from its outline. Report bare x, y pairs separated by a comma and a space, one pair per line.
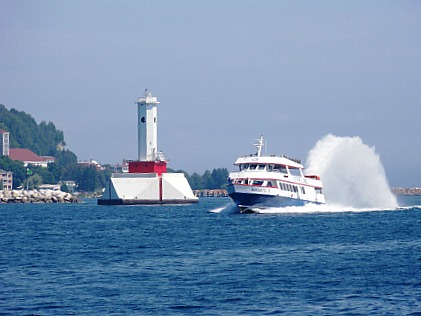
292, 159
282, 156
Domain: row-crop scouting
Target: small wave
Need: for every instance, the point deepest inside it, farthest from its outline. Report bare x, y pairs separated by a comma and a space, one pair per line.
186, 307
415, 207
228, 208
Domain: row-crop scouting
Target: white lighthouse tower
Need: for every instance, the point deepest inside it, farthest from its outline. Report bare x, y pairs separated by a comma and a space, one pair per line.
147, 127
147, 181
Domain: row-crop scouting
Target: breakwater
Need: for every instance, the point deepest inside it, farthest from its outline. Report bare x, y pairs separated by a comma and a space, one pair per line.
36, 196
406, 191
210, 193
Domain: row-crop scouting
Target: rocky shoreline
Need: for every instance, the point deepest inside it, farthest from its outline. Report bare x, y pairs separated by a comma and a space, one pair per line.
36, 196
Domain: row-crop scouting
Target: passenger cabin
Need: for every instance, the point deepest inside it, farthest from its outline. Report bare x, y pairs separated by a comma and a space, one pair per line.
284, 169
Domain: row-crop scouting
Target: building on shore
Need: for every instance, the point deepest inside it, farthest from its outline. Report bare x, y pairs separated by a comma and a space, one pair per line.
4, 142
27, 156
6, 179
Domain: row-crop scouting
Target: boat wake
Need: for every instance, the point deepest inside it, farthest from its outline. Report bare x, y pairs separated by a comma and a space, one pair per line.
229, 208
413, 207
319, 209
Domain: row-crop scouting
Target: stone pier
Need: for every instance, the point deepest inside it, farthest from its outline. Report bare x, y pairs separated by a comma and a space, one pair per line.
36, 196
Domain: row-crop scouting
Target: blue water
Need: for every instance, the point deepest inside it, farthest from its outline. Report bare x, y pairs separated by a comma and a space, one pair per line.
84, 259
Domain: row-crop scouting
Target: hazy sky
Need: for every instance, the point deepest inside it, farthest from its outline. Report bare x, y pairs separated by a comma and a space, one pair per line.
224, 71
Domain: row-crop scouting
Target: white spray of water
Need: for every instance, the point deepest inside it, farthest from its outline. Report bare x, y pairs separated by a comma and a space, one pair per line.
228, 208
352, 173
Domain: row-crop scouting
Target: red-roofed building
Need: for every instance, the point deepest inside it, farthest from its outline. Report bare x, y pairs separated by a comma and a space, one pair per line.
29, 158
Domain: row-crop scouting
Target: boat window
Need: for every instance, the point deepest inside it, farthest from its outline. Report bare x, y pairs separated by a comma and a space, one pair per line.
282, 169
261, 167
269, 184
319, 190
290, 187
270, 167
295, 189
253, 167
295, 171
257, 182
303, 191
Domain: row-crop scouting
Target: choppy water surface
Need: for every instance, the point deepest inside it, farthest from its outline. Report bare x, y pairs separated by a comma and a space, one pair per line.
206, 260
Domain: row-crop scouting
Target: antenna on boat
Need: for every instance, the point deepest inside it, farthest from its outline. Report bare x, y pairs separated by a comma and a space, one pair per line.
259, 145
266, 146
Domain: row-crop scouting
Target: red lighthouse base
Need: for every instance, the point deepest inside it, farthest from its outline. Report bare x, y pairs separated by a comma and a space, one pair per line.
158, 167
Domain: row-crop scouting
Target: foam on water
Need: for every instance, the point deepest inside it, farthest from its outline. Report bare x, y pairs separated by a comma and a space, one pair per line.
320, 208
352, 173
228, 208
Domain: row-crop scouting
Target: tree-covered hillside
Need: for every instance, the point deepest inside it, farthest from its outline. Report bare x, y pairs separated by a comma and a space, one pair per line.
43, 139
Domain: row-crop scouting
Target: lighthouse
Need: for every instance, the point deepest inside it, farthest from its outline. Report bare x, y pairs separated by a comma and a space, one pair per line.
147, 181
149, 158
147, 130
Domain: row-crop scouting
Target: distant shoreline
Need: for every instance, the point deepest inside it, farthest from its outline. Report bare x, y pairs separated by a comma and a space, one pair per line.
406, 191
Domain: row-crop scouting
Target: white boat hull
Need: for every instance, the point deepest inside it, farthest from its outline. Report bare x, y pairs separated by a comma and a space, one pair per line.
246, 197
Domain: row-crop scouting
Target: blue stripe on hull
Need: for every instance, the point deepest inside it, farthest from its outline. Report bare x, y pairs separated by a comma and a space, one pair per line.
247, 199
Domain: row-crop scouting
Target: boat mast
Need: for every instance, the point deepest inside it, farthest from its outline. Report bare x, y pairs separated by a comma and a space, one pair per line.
259, 145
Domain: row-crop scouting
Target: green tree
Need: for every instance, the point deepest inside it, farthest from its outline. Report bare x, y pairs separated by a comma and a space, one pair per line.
196, 181
32, 182
207, 180
87, 179
64, 188
19, 171
220, 176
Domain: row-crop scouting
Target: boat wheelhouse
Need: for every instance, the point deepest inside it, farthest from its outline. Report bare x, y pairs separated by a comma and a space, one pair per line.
272, 181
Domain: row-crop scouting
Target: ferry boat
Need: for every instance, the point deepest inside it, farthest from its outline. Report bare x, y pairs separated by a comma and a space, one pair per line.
272, 181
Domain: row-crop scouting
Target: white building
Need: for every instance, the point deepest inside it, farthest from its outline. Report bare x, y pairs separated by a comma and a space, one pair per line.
4, 143
6, 179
